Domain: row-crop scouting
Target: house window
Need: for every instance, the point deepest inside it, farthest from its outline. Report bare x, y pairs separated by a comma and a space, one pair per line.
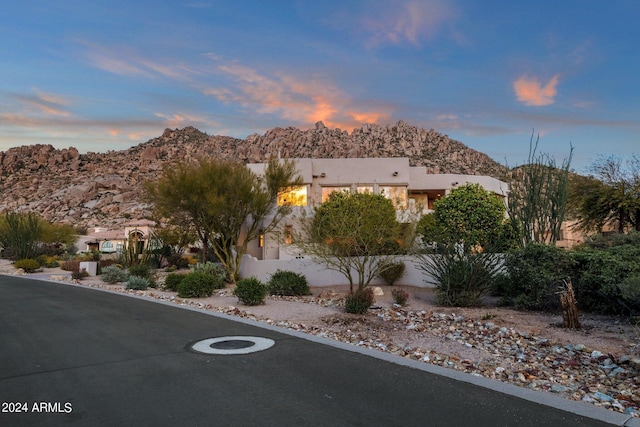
288, 231
364, 188
397, 194
107, 246
326, 191
296, 196
261, 239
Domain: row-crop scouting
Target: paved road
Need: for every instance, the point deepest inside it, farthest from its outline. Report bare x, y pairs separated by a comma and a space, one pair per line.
97, 358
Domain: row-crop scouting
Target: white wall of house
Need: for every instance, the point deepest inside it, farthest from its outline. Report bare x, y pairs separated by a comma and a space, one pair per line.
318, 275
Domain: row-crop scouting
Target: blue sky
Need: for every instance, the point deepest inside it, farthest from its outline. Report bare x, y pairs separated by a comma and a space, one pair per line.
108, 75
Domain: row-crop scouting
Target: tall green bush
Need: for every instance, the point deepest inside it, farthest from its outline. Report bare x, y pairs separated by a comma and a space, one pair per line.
598, 274
536, 272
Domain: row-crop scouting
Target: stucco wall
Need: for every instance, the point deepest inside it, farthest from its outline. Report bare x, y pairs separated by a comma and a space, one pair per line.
318, 275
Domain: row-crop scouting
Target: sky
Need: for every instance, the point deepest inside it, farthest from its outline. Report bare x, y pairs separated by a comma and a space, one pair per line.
108, 75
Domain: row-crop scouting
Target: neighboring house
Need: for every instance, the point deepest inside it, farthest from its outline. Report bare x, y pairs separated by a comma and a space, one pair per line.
571, 236
409, 187
114, 241
103, 240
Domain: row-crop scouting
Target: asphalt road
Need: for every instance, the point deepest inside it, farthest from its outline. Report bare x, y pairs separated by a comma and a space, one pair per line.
77, 356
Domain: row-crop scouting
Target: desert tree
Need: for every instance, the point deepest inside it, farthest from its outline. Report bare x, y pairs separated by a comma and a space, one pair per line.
469, 216
355, 234
609, 195
224, 202
537, 202
172, 236
462, 241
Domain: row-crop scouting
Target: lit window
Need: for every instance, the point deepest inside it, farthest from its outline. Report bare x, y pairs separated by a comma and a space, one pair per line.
397, 194
364, 188
261, 239
288, 231
326, 191
297, 196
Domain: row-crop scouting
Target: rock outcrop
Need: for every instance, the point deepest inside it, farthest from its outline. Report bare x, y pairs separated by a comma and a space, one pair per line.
105, 189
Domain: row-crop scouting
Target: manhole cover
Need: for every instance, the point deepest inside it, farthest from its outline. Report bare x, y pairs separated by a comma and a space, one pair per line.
232, 345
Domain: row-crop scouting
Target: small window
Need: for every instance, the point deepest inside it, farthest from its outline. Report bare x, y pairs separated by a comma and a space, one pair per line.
107, 245
261, 238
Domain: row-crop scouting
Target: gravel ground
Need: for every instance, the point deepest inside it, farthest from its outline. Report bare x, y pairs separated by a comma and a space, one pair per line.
599, 363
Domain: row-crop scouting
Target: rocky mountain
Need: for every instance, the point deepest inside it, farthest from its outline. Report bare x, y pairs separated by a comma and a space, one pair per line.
105, 189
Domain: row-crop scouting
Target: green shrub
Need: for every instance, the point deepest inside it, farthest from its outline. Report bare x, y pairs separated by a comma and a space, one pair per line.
29, 265
178, 261
535, 275
393, 272
597, 276
79, 274
288, 283
214, 269
113, 274
137, 283
172, 280
251, 291
461, 279
198, 284
630, 293
602, 241
48, 261
400, 297
359, 301
140, 270
501, 285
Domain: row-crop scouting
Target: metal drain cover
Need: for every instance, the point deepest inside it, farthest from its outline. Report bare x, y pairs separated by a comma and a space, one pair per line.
232, 345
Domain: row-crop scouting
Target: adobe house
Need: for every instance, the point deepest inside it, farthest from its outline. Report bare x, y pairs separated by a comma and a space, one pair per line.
407, 186
114, 241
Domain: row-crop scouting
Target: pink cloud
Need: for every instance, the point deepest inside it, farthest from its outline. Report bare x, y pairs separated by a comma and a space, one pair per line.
125, 62
301, 101
530, 91
44, 103
412, 22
